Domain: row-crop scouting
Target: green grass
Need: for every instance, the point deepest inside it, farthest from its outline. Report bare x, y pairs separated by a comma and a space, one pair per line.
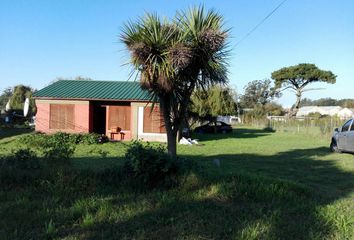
280, 185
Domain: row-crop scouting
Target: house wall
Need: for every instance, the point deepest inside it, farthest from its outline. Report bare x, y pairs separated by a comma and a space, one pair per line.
84, 120
138, 123
81, 113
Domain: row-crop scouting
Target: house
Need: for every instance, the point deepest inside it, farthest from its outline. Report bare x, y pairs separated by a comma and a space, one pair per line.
120, 110
345, 113
332, 111
323, 110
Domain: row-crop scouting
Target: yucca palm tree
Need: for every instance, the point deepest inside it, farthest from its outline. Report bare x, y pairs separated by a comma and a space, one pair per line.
175, 57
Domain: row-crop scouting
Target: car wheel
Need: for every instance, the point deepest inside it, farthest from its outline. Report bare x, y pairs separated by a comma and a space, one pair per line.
224, 131
333, 147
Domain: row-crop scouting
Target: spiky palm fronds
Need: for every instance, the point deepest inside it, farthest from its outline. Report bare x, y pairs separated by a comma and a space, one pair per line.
180, 56
191, 48
174, 58
149, 40
205, 34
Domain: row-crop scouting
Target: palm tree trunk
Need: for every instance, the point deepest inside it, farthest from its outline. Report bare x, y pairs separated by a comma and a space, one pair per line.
172, 143
170, 131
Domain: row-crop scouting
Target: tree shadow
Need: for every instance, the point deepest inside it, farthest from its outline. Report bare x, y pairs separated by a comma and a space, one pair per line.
249, 196
241, 133
11, 132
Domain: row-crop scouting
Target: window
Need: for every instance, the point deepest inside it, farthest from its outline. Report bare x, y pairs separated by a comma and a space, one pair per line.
346, 126
352, 127
153, 121
62, 116
119, 116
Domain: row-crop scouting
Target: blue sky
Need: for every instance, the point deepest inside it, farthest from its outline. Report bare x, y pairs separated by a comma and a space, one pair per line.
43, 40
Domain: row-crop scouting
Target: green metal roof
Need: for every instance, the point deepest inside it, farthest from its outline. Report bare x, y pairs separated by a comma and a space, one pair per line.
94, 90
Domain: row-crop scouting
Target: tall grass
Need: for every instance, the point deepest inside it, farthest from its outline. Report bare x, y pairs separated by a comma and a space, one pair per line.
315, 127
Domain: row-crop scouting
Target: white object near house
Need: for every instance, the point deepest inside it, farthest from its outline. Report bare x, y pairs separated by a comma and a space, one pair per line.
26, 107
8, 107
228, 119
188, 141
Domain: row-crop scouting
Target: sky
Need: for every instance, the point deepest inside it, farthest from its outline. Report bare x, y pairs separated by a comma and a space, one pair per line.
43, 40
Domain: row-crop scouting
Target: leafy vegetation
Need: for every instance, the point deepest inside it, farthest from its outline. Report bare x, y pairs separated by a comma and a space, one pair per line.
258, 93
18, 97
174, 57
150, 166
210, 103
39, 139
259, 112
19, 168
4, 97
297, 78
280, 185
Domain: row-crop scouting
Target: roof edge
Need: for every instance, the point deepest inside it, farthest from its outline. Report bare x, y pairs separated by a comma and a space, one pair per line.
93, 99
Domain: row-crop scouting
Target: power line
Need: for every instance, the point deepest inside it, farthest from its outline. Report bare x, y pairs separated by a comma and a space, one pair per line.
261, 22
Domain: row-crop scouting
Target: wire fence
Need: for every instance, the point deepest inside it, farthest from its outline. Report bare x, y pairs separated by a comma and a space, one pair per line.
314, 127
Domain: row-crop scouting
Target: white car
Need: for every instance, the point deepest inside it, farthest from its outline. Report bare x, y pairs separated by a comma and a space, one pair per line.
343, 138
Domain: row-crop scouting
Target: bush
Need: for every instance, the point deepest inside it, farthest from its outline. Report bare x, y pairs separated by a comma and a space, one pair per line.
21, 167
25, 159
37, 139
59, 146
150, 166
87, 138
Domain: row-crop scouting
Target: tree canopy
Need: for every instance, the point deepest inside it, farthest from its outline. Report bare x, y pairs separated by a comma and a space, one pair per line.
173, 57
258, 92
215, 101
297, 77
18, 97
4, 97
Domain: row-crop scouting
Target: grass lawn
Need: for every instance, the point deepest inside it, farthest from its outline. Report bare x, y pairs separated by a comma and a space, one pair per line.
269, 186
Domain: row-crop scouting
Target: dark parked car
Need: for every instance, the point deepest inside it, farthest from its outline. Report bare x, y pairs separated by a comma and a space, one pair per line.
212, 127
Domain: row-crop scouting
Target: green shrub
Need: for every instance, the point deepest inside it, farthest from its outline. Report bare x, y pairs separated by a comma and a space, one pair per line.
25, 159
58, 146
90, 138
37, 139
86, 138
150, 166
34, 140
21, 167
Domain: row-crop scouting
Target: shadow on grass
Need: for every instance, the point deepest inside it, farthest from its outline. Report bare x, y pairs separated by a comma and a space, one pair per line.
236, 133
250, 196
11, 132
264, 197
